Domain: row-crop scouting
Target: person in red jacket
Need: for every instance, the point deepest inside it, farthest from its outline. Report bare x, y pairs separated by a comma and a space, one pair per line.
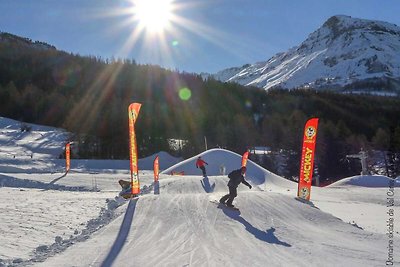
202, 165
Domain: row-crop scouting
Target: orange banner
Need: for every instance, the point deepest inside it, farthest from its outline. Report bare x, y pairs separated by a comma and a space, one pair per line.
67, 157
244, 158
133, 111
307, 159
156, 168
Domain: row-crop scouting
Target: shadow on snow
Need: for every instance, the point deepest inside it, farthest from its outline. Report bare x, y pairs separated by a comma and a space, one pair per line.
205, 183
8, 181
55, 180
266, 236
122, 235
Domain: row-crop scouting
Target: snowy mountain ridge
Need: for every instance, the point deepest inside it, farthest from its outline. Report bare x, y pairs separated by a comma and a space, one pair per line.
344, 53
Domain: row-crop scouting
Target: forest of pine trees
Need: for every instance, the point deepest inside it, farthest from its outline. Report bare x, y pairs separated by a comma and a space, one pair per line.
89, 96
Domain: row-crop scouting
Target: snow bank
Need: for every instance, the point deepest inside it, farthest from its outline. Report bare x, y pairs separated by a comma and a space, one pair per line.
368, 181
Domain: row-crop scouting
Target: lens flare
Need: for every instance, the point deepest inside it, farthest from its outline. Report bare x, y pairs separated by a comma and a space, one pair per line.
185, 94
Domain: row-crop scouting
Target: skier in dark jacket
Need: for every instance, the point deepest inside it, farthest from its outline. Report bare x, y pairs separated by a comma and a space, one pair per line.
235, 178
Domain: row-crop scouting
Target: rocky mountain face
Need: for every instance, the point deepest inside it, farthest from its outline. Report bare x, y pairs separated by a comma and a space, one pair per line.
344, 54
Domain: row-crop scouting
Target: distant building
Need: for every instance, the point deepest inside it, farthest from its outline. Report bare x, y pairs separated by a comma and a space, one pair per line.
260, 150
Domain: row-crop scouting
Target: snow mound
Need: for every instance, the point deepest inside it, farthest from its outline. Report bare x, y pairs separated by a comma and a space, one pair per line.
165, 161
221, 162
368, 181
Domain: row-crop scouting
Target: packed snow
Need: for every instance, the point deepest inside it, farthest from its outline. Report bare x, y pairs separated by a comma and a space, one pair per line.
52, 219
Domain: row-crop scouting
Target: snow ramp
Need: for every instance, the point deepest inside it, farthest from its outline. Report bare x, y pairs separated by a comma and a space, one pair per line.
182, 227
221, 162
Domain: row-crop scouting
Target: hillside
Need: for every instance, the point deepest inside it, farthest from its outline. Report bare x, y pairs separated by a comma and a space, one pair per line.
89, 96
39, 149
344, 53
26, 42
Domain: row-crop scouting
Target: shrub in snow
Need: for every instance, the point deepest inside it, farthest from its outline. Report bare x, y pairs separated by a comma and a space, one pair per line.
112, 204
17, 260
42, 248
58, 239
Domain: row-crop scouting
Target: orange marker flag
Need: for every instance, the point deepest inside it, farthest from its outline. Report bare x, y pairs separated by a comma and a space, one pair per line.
133, 112
307, 159
67, 157
244, 158
156, 168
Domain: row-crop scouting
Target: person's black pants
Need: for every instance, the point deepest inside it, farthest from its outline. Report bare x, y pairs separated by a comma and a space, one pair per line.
229, 197
203, 169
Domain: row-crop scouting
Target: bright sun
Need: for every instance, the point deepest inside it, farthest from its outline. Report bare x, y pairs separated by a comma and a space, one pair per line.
158, 29
153, 15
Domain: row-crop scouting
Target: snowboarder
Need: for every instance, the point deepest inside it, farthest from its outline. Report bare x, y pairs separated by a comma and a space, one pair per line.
201, 164
235, 178
126, 189
124, 184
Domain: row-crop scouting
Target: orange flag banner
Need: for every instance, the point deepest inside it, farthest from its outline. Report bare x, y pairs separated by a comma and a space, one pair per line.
133, 112
244, 158
156, 168
67, 157
307, 159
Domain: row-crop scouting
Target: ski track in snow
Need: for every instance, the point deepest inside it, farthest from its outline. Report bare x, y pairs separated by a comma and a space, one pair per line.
187, 230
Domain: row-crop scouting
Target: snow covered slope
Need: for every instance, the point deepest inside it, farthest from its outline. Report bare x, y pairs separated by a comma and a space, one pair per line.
40, 141
181, 227
77, 220
344, 51
38, 151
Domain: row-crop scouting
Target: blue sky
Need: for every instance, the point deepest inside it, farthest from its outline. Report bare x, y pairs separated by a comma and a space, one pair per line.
215, 34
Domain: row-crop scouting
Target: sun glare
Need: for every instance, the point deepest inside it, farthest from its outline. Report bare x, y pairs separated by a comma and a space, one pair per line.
160, 31
153, 15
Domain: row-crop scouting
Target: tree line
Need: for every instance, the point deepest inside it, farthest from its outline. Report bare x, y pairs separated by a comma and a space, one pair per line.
89, 96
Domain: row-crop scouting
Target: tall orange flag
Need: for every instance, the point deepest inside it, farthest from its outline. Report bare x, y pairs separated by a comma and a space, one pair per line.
67, 157
133, 112
307, 159
156, 168
244, 158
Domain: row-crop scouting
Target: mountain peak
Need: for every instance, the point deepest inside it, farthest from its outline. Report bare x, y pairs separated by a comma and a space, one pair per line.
336, 24
335, 21
340, 24
344, 53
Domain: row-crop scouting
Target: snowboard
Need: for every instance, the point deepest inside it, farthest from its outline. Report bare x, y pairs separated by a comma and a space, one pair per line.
126, 194
220, 205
